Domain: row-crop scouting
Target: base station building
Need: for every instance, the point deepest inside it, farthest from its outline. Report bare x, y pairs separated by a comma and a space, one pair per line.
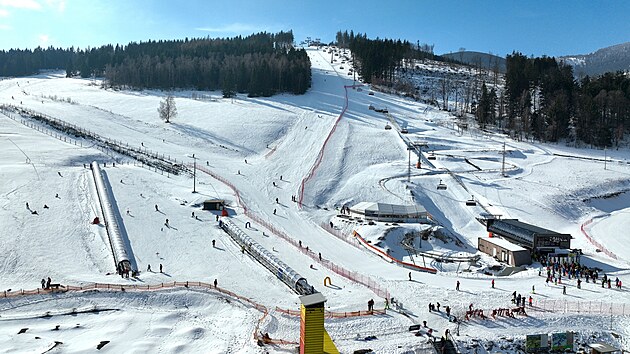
533, 238
390, 212
504, 251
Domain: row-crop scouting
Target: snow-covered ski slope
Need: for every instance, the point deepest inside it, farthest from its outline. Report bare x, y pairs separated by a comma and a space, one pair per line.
252, 142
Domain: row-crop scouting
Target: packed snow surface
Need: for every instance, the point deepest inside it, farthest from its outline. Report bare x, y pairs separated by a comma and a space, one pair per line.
266, 147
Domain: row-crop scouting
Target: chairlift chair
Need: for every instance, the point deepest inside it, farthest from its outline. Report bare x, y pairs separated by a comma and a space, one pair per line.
471, 201
441, 186
388, 127
432, 157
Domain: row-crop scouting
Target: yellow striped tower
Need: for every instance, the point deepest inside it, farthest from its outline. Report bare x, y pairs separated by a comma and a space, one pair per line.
313, 336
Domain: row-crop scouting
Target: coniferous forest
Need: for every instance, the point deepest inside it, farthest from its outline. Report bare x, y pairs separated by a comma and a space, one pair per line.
261, 64
545, 102
377, 60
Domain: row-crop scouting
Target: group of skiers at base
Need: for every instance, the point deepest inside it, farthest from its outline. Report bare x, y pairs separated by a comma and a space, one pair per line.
556, 270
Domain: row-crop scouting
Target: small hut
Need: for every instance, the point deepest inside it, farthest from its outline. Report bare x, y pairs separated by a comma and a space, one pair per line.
214, 204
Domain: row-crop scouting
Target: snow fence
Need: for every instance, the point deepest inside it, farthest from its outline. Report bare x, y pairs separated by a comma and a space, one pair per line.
594, 242
119, 250
320, 154
391, 259
356, 277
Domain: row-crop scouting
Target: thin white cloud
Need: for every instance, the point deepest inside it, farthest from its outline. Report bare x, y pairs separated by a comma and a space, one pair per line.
233, 28
4, 27
43, 40
59, 5
21, 4
4, 13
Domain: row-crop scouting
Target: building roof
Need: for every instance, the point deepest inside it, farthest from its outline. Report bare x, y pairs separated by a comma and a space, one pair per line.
313, 299
214, 201
503, 243
520, 232
389, 209
603, 347
531, 228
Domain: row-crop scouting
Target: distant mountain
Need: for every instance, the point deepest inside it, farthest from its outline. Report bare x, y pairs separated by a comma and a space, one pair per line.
609, 59
486, 60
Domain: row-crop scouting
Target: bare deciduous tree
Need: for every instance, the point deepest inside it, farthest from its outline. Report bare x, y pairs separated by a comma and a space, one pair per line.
167, 109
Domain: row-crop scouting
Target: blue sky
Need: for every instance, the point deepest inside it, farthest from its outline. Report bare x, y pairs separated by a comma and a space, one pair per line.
533, 27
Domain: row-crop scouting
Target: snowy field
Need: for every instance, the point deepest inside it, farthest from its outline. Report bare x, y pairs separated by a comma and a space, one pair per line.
252, 142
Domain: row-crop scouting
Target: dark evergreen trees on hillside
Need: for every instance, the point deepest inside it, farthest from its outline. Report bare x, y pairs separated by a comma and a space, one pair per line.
546, 103
377, 60
261, 64
486, 109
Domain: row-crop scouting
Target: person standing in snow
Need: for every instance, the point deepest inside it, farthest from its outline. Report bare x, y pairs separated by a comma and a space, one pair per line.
215, 283
160, 267
43, 283
492, 283
156, 208
213, 243
48, 283
409, 276
457, 286
564, 290
148, 268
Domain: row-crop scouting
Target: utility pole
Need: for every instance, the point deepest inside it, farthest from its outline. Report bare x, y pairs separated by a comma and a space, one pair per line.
194, 173
409, 163
503, 163
414, 146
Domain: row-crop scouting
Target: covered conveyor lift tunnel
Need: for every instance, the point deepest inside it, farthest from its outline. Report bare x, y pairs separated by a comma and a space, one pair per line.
286, 274
118, 245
